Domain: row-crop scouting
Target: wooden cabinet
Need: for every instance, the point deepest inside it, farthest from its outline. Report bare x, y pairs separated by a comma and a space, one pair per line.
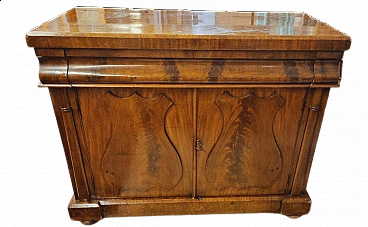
198, 117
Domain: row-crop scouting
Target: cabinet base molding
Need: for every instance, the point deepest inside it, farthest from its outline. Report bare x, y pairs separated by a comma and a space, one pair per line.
91, 212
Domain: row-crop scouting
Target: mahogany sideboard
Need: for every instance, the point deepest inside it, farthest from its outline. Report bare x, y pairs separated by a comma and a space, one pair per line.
165, 112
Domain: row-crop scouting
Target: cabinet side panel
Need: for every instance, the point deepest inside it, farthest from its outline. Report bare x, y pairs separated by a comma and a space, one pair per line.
65, 117
315, 107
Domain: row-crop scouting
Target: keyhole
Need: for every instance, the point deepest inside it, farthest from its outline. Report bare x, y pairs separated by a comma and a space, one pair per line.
198, 145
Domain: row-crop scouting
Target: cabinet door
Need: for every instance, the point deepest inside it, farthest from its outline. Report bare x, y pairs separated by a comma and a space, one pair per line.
248, 138
139, 141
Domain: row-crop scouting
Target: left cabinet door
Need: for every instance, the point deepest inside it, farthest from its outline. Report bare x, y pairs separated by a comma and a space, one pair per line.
139, 141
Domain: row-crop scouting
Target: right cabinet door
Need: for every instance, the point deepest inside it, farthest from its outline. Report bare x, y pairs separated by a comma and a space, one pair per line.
248, 138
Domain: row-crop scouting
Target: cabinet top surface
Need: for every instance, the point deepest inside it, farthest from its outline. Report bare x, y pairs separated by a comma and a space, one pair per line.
96, 27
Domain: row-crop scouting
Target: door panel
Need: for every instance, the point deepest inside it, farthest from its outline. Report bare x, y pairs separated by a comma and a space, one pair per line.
248, 137
140, 141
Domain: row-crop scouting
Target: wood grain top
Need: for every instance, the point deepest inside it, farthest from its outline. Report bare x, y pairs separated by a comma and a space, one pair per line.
120, 28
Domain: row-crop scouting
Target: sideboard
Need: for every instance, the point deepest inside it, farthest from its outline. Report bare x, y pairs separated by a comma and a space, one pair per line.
165, 112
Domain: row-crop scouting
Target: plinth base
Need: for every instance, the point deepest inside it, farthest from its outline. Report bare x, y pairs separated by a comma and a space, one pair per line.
91, 212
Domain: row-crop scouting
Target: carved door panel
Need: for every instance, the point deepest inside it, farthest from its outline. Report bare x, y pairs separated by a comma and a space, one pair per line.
248, 138
140, 141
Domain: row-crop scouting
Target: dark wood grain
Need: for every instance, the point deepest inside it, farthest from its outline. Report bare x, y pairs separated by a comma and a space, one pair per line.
268, 140
246, 153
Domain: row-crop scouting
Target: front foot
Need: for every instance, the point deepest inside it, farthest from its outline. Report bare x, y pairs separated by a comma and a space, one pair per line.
89, 222
87, 212
296, 206
293, 216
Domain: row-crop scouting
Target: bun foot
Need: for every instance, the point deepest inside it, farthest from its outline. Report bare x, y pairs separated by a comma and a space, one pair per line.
88, 222
293, 216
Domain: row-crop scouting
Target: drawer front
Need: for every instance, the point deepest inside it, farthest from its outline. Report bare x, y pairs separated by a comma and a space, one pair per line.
216, 71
